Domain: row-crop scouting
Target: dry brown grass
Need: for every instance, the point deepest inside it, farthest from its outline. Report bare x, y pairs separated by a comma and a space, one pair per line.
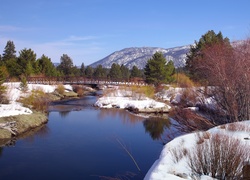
237, 127
183, 81
37, 100
220, 157
202, 136
60, 89
190, 121
178, 154
79, 90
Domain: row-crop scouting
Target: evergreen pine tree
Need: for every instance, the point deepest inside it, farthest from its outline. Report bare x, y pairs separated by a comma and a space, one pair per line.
46, 67
27, 62
125, 72
115, 72
9, 51
82, 70
156, 70
89, 71
135, 72
66, 65
99, 72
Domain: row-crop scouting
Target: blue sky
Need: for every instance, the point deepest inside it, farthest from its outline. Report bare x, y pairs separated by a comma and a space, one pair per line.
89, 30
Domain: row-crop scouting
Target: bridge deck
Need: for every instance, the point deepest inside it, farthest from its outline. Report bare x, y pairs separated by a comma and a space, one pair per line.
81, 81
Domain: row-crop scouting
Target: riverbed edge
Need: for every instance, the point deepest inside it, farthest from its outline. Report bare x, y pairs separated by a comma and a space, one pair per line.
23, 123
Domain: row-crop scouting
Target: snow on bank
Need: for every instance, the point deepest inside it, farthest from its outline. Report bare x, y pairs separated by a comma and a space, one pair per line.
166, 167
124, 99
126, 102
13, 93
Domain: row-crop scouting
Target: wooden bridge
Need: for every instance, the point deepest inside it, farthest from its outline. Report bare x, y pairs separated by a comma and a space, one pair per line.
83, 81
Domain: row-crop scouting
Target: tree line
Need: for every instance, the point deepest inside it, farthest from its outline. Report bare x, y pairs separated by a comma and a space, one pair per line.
26, 64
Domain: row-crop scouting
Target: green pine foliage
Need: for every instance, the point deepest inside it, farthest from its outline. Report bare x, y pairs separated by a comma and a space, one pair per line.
115, 72
100, 72
89, 71
157, 71
135, 72
125, 72
27, 62
23, 84
46, 67
82, 70
9, 51
66, 65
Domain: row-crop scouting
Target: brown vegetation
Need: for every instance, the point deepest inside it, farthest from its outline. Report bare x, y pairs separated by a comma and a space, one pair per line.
60, 89
37, 100
220, 157
228, 69
183, 80
189, 120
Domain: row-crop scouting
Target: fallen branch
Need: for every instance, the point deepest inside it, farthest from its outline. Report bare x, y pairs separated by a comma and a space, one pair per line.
128, 153
10, 126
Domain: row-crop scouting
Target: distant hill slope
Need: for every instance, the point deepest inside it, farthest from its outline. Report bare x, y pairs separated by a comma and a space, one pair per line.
140, 55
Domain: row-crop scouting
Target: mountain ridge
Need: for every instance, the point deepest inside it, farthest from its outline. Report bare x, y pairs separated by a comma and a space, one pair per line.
139, 56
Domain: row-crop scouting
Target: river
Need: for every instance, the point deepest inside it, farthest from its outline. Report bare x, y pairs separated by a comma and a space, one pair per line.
83, 142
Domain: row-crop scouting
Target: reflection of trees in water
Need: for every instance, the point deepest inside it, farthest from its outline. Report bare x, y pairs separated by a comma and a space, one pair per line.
156, 126
64, 114
126, 117
30, 136
1, 151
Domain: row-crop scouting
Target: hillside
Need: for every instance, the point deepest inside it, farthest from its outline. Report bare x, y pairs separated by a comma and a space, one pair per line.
139, 56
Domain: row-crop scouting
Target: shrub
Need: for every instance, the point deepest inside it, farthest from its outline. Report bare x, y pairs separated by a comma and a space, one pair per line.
148, 91
188, 97
37, 100
3, 99
79, 90
60, 89
183, 81
189, 121
178, 153
23, 84
220, 157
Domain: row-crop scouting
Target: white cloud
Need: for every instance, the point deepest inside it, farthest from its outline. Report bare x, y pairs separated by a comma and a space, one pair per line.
80, 38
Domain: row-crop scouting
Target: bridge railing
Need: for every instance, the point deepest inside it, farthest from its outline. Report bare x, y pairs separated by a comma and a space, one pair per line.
82, 80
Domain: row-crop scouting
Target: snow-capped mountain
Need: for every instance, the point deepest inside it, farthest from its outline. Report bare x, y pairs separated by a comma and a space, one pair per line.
140, 55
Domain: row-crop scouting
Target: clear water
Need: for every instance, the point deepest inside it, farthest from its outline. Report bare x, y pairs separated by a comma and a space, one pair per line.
82, 142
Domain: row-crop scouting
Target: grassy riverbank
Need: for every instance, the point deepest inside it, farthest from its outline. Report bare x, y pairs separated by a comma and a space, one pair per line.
24, 123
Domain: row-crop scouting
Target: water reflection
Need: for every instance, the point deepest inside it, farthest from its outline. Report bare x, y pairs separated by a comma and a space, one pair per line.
64, 114
126, 117
156, 126
73, 104
42, 131
1, 151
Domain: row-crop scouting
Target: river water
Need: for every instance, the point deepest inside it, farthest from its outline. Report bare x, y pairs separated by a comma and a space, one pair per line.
84, 142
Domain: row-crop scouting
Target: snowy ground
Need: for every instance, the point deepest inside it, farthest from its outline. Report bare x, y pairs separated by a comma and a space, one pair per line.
163, 168
167, 168
125, 99
13, 93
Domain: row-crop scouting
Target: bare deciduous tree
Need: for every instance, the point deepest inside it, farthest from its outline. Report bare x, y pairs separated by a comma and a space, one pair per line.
228, 70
